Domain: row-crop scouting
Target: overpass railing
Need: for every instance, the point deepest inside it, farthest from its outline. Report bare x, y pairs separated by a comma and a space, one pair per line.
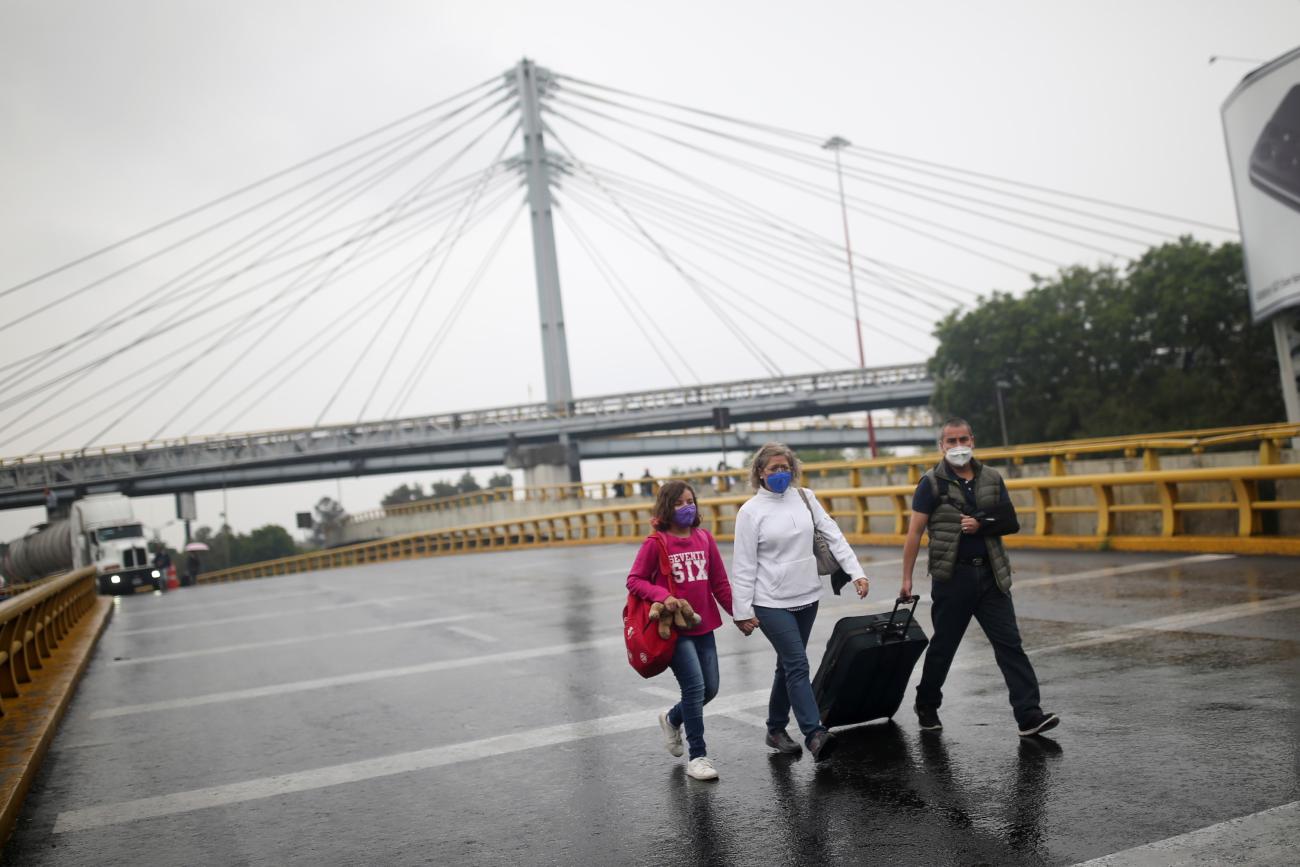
509, 416
34, 622
1057, 511
1268, 439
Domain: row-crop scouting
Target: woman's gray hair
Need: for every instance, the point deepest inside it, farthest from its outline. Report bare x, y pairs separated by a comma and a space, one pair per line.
765, 454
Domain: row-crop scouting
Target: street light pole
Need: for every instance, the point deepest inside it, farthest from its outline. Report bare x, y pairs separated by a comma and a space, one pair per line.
1002, 415
834, 145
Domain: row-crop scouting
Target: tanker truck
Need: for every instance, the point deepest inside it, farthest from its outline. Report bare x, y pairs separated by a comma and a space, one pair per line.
100, 531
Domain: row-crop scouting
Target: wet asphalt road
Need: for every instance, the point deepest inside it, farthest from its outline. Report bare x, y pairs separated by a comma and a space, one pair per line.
479, 710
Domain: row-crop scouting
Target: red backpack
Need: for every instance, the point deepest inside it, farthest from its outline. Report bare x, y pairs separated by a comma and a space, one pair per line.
646, 651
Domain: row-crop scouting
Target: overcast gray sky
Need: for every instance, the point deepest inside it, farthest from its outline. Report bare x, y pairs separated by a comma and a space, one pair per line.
116, 115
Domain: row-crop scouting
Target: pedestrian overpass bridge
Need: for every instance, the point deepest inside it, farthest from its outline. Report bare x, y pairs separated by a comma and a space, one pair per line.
596, 427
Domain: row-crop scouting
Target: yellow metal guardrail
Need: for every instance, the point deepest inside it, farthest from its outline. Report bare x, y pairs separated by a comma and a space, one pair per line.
33, 623
1269, 439
1165, 494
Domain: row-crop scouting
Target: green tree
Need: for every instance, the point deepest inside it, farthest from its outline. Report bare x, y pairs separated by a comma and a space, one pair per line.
1165, 344
268, 542
466, 484
443, 489
501, 480
403, 494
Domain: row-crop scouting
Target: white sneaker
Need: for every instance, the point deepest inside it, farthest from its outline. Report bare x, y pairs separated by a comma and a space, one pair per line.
701, 769
672, 735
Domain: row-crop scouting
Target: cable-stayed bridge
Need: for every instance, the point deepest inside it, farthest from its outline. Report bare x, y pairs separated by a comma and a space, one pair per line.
339, 288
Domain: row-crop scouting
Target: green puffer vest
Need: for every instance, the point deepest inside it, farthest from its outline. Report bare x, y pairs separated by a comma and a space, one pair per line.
945, 523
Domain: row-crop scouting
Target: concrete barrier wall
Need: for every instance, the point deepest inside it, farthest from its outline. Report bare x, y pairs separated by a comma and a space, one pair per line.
415, 522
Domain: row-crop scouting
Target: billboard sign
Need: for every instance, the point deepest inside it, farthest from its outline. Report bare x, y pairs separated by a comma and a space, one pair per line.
1261, 122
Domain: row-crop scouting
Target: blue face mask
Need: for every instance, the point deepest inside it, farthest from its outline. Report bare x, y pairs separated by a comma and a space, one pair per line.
778, 482
685, 516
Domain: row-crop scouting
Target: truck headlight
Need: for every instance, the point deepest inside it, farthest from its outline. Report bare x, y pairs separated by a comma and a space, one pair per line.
157, 574
116, 579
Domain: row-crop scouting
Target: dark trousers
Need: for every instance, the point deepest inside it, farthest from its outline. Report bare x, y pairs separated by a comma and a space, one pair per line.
972, 592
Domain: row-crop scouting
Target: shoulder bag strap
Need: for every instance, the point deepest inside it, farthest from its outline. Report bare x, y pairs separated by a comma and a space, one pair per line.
664, 566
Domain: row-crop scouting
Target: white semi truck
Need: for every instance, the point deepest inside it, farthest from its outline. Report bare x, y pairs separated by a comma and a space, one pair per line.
100, 531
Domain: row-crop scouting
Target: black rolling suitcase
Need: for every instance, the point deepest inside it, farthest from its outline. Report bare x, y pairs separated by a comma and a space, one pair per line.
867, 664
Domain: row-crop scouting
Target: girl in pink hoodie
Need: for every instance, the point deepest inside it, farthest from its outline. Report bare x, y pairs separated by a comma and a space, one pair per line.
699, 577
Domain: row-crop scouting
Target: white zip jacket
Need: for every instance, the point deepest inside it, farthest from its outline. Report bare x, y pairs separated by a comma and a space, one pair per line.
773, 563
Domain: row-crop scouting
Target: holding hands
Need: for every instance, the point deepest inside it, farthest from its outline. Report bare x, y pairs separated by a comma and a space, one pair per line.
747, 626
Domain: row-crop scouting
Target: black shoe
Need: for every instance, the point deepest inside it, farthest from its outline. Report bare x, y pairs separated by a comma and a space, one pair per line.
821, 745
928, 718
1038, 723
783, 743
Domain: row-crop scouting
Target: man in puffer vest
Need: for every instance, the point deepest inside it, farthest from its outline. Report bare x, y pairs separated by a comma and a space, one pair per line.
965, 508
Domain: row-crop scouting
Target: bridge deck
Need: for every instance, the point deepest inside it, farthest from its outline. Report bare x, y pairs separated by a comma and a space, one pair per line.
478, 709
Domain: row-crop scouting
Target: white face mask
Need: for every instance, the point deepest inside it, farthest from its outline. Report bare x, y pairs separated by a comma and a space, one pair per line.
959, 456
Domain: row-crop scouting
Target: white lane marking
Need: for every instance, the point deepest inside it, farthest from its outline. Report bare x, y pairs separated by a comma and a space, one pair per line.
164, 608
270, 615
369, 630
1267, 837
1174, 623
345, 679
474, 634
738, 715
119, 812
232, 793
382, 602
1111, 571
301, 639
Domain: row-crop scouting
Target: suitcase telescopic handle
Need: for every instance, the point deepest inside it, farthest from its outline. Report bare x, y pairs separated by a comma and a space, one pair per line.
901, 630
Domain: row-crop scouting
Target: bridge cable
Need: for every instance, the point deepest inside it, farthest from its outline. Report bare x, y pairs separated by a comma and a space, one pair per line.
875, 153
342, 322
129, 379
249, 187
823, 165
229, 219
626, 298
827, 194
699, 290
87, 368
396, 211
819, 245
466, 208
422, 365
428, 289
766, 245
181, 292
1019, 269
691, 231
744, 301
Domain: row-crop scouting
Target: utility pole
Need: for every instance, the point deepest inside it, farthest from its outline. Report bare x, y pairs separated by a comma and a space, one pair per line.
834, 144
555, 348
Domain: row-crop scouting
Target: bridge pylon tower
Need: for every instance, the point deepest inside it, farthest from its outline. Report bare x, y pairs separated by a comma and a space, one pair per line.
547, 464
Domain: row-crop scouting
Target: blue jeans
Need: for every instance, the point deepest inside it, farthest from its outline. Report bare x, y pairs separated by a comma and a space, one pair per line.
791, 688
695, 663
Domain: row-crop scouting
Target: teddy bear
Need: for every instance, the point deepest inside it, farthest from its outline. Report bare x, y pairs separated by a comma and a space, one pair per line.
684, 617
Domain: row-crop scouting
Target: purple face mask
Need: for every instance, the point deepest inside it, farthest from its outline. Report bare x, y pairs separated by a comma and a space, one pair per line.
685, 516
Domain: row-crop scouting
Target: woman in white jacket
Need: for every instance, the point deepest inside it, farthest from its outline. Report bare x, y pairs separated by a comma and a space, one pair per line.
775, 587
